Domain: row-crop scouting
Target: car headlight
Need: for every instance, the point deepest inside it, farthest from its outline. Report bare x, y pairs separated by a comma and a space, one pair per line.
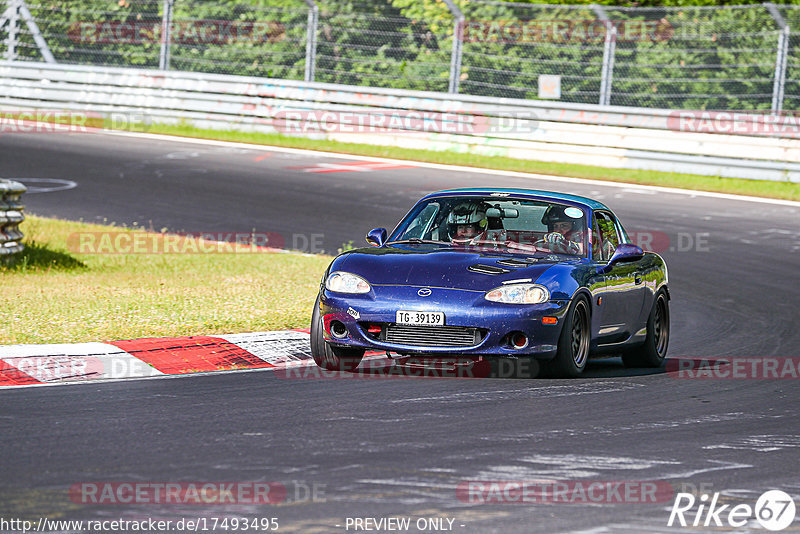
519, 294
342, 282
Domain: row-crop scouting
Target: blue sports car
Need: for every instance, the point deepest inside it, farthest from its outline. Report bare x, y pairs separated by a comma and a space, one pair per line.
496, 273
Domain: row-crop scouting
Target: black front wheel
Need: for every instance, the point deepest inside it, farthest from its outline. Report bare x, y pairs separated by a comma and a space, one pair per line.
574, 342
327, 357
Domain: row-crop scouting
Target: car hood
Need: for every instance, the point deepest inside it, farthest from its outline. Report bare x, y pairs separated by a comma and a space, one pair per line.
441, 266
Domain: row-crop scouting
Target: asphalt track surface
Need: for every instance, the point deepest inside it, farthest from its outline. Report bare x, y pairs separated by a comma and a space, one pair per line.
401, 447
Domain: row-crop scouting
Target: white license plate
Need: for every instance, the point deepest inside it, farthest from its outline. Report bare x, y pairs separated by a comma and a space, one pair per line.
420, 317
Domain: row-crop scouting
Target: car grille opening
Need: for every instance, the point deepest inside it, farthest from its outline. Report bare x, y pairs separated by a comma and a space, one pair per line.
433, 336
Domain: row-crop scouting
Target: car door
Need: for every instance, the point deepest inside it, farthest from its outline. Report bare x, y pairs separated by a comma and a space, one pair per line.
620, 301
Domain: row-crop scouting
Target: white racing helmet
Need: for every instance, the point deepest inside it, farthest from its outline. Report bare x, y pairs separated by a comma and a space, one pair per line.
470, 213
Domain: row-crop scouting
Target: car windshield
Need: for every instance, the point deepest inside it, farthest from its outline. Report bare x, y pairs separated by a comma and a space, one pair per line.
518, 225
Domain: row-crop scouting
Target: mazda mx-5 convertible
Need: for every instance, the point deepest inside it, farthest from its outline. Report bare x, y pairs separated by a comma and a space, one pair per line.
496, 273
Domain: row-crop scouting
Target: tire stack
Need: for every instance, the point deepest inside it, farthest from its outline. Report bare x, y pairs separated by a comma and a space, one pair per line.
10, 218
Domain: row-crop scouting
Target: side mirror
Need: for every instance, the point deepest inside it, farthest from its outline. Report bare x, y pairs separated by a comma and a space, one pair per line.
377, 237
624, 252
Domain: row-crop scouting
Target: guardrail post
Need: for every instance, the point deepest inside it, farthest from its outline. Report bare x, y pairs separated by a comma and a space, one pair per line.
311, 40
456, 54
166, 38
781, 58
10, 218
609, 51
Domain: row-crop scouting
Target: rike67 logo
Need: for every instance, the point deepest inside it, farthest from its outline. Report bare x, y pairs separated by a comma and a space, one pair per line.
774, 510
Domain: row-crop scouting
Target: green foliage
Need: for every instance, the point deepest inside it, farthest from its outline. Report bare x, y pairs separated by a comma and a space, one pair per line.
350, 245
648, 3
380, 45
684, 56
97, 32
264, 37
708, 59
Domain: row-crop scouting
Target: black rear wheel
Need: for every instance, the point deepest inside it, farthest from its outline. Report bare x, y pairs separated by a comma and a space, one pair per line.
327, 357
653, 351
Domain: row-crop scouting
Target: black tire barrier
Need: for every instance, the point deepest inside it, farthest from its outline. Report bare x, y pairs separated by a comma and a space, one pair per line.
11, 216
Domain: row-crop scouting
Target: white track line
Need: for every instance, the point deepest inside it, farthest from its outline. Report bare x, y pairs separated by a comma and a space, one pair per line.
460, 168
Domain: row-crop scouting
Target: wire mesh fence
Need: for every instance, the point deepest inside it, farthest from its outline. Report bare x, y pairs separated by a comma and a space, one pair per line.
374, 44
792, 86
507, 47
723, 58
237, 38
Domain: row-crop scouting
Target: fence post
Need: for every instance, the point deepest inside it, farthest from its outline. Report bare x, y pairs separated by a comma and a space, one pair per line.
166, 38
12, 16
456, 54
311, 40
781, 58
37, 35
609, 51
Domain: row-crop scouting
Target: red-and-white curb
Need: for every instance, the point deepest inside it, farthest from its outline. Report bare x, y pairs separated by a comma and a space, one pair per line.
29, 365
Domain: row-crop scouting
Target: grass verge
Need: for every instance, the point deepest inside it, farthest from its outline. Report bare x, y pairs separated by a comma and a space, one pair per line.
50, 294
736, 186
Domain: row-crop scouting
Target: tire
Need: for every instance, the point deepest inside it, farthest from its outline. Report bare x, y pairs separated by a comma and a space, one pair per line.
653, 351
574, 341
327, 357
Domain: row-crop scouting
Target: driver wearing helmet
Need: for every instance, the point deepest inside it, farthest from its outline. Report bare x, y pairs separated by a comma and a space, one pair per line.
466, 222
564, 235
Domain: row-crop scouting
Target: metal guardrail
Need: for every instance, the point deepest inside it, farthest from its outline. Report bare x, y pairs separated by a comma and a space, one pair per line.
10, 217
763, 147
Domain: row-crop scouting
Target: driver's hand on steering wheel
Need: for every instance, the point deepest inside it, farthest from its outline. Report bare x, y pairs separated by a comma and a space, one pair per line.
557, 240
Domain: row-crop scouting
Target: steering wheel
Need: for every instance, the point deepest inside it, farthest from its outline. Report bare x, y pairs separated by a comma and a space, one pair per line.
560, 245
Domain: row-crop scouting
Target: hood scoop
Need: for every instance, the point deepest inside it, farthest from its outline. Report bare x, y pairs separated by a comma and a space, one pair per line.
488, 269
516, 263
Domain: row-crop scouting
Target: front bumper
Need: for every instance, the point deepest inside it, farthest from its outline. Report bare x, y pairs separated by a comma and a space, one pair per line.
462, 308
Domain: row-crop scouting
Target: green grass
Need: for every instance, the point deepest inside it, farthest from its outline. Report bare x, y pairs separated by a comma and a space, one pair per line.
759, 188
50, 294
